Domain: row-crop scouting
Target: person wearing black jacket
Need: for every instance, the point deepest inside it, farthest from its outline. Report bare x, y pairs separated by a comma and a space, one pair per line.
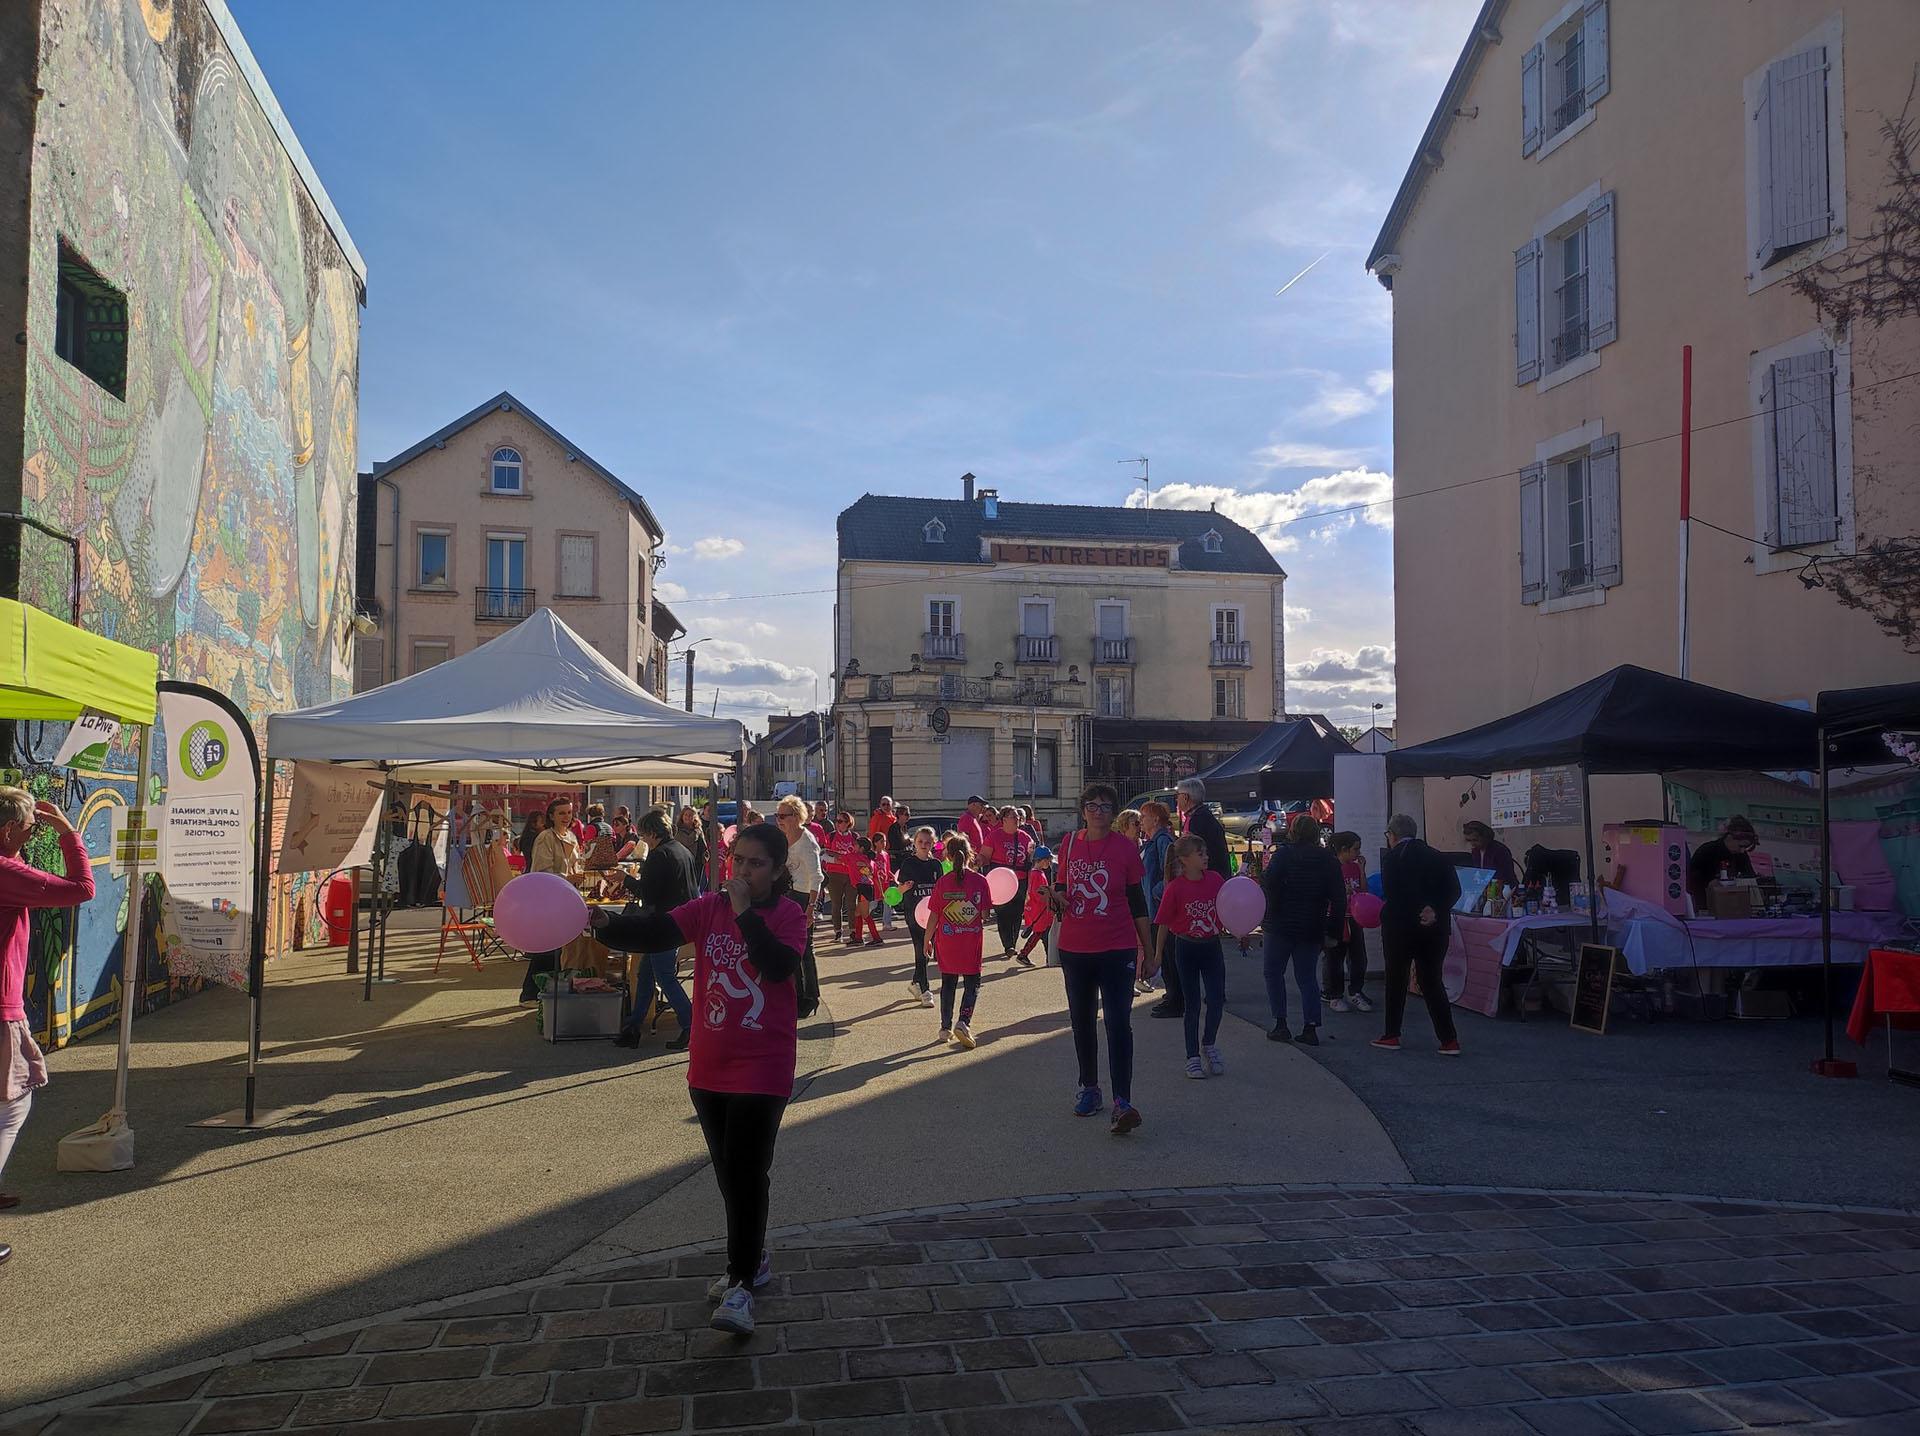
1190, 799
1306, 913
1418, 888
666, 880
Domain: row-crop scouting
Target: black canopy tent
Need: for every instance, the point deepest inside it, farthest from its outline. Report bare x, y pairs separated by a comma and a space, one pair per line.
1628, 720
1852, 722
1292, 759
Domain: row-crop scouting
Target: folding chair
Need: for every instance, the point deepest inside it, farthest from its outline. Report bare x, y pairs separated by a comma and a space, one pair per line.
475, 932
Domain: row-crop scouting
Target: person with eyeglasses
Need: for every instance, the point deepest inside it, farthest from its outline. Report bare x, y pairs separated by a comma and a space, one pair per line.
1102, 908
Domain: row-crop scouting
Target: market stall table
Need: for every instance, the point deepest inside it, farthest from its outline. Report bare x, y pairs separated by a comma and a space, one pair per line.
1889, 994
1481, 947
1651, 939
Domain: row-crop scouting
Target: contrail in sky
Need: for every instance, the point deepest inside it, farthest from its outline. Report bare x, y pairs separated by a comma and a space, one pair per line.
1298, 277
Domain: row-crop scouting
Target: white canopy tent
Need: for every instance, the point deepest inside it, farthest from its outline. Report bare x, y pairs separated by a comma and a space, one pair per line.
535, 703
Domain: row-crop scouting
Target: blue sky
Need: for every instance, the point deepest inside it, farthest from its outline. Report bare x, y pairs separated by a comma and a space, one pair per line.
760, 257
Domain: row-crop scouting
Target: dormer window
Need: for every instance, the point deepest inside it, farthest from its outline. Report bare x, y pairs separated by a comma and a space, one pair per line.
507, 471
1210, 541
934, 532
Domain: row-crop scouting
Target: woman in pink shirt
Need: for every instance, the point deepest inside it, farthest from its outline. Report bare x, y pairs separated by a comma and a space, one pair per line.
1103, 947
24, 887
1009, 847
747, 941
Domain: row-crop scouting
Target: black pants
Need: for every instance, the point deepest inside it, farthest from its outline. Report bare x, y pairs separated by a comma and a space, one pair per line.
1343, 971
1169, 972
740, 1128
1007, 916
1103, 982
537, 963
919, 936
970, 995
1422, 950
808, 986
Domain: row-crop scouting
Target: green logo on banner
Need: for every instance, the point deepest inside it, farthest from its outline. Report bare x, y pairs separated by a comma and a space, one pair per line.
203, 749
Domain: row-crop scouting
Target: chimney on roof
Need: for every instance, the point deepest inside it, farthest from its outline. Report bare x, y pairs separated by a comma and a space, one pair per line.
966, 487
990, 503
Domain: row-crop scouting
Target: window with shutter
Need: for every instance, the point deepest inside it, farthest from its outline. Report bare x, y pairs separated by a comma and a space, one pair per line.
1602, 326
1603, 511
576, 565
1794, 202
1526, 312
1533, 549
1532, 95
1806, 504
1595, 41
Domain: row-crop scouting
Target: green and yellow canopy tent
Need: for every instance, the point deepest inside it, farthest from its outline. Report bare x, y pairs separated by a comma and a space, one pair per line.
52, 670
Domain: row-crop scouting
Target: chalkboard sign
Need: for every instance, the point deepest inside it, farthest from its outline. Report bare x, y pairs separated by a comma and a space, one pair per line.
1593, 987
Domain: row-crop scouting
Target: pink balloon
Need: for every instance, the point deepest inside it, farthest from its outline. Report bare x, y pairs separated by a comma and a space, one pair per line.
537, 912
1365, 908
726, 834
1002, 884
1241, 904
922, 911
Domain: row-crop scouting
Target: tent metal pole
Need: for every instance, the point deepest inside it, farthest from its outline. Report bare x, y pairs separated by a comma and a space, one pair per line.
1593, 877
382, 842
130, 947
1828, 1065
257, 960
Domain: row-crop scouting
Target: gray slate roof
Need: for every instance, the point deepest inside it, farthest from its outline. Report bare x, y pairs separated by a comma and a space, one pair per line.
505, 402
891, 529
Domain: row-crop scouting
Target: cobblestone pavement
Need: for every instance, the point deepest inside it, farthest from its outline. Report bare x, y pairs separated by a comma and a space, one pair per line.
1351, 1310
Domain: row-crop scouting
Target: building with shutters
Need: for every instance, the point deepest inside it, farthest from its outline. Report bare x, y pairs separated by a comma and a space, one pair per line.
471, 529
1017, 650
1600, 186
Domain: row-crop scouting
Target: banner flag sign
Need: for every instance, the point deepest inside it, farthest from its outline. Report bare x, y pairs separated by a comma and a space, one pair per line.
1535, 797
208, 852
331, 820
87, 741
134, 837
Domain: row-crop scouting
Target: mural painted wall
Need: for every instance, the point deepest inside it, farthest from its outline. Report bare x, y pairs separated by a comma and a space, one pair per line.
213, 504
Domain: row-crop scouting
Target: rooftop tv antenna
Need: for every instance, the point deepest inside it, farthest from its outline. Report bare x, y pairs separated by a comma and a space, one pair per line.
1146, 476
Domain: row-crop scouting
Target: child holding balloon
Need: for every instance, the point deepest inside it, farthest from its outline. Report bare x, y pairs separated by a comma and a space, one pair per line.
1189, 913
956, 924
1344, 969
1039, 914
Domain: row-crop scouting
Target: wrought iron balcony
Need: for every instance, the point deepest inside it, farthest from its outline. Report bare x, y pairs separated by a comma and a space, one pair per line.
502, 605
1232, 655
1570, 342
957, 690
1113, 650
943, 647
1028, 648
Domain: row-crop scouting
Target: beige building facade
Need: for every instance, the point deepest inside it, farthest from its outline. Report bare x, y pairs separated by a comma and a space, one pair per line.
1017, 650
495, 515
1603, 184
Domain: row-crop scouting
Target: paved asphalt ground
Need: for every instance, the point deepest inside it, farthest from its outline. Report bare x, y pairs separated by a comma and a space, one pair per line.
1712, 1108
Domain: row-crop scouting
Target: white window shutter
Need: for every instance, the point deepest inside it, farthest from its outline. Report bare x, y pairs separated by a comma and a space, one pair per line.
1603, 509
1593, 44
1762, 125
1805, 491
1532, 99
1602, 285
1794, 127
576, 564
1533, 538
1526, 312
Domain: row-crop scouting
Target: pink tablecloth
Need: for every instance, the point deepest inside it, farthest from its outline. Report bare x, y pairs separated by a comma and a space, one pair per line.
1481, 946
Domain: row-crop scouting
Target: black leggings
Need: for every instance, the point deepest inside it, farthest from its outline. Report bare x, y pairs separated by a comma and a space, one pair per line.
1007, 915
948, 982
740, 1128
1101, 981
808, 985
919, 935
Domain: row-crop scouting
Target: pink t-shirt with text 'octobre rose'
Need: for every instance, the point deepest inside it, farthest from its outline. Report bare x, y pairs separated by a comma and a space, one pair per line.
1187, 906
745, 1029
1096, 877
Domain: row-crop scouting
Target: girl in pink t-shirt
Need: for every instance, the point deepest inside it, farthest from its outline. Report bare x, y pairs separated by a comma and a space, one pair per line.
956, 927
1188, 913
1102, 908
747, 940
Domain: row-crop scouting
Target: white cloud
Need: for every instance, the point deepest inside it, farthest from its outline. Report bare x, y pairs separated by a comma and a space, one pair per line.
1295, 615
1282, 517
1369, 665
732, 662
1286, 455
718, 548
667, 591
746, 627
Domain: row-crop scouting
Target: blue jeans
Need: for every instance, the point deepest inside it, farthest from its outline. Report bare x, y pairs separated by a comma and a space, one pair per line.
660, 969
1302, 954
1105, 979
1202, 969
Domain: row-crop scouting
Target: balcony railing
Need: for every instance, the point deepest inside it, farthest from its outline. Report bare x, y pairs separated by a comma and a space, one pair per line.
959, 690
1027, 648
1570, 342
1232, 655
943, 647
1113, 650
502, 605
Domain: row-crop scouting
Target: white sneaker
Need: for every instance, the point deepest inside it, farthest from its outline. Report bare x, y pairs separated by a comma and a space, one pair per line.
1338, 1004
1195, 1070
921, 995
946, 1034
735, 1312
963, 1035
1216, 1064
717, 1288
1359, 1003
926, 997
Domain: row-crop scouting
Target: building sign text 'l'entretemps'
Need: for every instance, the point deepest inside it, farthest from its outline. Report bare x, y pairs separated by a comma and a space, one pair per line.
1082, 555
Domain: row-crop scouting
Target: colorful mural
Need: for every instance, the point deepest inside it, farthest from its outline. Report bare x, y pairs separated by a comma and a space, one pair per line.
213, 505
